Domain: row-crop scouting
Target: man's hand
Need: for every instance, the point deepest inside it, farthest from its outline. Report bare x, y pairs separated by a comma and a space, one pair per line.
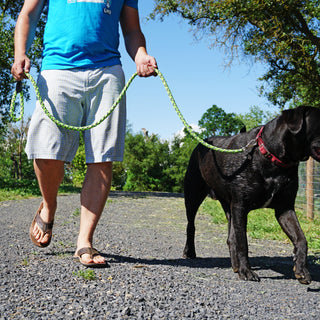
146, 65
20, 66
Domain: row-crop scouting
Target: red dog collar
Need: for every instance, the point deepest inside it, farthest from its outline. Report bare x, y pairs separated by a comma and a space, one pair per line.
264, 151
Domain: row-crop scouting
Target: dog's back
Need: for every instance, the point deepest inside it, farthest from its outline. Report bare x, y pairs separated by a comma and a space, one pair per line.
224, 175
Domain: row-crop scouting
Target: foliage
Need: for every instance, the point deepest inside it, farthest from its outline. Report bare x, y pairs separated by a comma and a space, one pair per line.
87, 274
119, 176
9, 11
216, 122
13, 160
255, 117
145, 160
180, 152
11, 189
154, 165
280, 33
78, 165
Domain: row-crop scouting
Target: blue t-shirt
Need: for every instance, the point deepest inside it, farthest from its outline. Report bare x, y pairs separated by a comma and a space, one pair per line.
82, 33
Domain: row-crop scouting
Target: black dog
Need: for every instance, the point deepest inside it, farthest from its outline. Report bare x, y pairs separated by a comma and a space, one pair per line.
264, 175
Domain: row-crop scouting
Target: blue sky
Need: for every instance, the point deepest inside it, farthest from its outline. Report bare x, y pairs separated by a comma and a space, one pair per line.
195, 74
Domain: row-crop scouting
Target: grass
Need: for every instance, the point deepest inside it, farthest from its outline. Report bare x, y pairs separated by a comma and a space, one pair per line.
76, 213
11, 189
25, 262
87, 274
262, 224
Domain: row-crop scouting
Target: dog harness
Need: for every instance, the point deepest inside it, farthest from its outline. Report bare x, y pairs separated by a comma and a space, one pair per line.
264, 151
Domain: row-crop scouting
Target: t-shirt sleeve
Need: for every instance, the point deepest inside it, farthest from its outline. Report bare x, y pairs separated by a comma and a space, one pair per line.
132, 3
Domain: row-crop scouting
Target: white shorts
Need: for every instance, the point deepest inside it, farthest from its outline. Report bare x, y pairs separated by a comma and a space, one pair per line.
79, 97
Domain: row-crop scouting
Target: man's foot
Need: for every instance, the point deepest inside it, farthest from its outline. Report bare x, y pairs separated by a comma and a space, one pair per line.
40, 231
90, 257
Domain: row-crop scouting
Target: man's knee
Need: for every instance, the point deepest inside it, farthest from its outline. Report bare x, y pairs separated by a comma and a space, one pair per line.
49, 169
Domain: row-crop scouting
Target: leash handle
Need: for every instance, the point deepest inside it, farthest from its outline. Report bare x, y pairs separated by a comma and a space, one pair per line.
19, 86
13, 103
75, 128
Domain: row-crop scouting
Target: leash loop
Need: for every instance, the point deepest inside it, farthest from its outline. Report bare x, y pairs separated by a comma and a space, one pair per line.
83, 128
13, 102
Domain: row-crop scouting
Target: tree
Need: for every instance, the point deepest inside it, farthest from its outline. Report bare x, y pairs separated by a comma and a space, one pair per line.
13, 159
283, 34
78, 167
255, 117
145, 161
180, 152
216, 122
9, 11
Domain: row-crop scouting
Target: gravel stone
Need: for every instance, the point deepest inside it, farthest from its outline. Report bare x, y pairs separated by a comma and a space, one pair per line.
142, 236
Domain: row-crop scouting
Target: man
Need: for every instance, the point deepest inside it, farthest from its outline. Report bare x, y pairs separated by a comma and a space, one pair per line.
80, 78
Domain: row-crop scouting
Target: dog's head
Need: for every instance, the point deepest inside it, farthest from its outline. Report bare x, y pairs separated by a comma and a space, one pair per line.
303, 123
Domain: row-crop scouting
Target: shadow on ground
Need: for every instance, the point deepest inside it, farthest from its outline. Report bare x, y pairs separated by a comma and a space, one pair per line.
281, 265
137, 194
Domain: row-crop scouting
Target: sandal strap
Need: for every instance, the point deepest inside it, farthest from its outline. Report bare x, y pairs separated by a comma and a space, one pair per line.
87, 250
44, 226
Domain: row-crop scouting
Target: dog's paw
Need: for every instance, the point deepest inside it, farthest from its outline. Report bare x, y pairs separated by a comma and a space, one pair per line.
303, 276
187, 255
189, 252
248, 275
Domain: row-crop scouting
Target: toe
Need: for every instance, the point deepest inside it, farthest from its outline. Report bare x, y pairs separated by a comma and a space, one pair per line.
85, 258
45, 238
41, 237
99, 259
36, 233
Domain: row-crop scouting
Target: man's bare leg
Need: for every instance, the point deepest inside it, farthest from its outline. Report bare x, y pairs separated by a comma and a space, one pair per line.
94, 194
50, 175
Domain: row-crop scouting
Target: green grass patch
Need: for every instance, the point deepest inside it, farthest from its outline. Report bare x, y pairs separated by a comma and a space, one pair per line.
76, 213
262, 224
25, 262
87, 274
13, 189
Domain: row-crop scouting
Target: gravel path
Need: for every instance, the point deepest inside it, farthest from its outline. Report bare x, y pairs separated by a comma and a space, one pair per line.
142, 237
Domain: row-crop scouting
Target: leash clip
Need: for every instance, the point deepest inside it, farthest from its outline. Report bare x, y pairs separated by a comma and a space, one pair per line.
251, 143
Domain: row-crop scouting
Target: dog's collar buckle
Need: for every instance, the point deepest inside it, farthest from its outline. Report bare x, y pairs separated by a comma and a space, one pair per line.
264, 151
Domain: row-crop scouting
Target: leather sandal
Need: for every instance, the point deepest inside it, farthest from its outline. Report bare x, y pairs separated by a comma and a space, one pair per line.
93, 253
43, 226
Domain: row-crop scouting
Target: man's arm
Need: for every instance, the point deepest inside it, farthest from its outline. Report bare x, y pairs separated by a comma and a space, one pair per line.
24, 35
135, 42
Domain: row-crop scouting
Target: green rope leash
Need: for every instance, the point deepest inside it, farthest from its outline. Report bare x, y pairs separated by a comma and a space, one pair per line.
13, 102
52, 118
75, 128
187, 126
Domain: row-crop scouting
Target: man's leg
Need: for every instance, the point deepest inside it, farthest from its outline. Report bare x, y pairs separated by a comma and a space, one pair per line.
50, 175
94, 195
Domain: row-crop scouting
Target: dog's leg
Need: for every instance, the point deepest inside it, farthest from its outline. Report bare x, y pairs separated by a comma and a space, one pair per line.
192, 202
290, 225
238, 244
231, 238
195, 191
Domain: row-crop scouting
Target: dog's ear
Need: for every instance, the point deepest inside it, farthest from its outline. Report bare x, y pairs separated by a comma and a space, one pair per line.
294, 119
